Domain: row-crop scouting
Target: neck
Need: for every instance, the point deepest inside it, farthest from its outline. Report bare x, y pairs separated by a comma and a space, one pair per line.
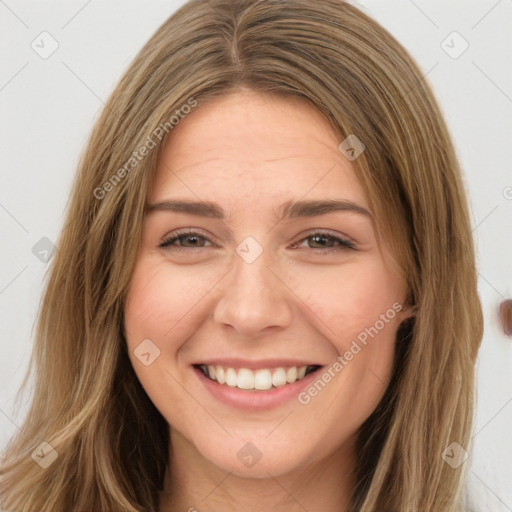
193, 483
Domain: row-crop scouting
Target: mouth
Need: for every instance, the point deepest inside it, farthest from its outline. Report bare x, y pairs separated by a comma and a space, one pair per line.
261, 379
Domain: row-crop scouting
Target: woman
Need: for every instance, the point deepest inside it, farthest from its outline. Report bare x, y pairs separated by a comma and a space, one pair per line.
264, 295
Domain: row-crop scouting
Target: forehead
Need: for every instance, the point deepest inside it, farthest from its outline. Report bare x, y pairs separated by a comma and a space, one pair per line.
257, 147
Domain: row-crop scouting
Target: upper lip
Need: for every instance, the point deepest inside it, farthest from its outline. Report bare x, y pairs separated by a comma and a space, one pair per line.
255, 364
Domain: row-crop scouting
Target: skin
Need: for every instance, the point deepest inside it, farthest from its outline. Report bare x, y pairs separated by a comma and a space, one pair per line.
199, 299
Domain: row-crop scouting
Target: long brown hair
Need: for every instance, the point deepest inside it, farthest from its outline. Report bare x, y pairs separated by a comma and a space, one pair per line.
110, 440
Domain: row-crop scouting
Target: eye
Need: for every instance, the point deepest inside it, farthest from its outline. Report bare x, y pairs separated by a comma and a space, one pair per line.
327, 242
196, 240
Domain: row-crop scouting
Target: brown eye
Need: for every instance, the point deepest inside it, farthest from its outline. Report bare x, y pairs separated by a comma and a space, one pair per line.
324, 242
194, 239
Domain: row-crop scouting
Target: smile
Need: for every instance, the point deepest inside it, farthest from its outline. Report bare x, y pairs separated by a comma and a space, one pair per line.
261, 379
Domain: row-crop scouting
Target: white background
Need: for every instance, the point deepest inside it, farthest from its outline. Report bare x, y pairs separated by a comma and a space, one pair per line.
48, 106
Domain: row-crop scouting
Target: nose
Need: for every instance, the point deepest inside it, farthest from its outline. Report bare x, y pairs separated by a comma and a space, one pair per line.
254, 298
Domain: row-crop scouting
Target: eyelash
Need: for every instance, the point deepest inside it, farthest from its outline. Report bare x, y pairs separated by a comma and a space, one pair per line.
343, 243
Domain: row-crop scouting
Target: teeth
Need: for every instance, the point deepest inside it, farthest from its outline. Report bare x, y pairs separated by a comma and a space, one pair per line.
262, 379
291, 374
279, 377
245, 379
219, 375
231, 377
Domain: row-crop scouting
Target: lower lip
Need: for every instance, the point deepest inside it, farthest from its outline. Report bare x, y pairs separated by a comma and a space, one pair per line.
255, 400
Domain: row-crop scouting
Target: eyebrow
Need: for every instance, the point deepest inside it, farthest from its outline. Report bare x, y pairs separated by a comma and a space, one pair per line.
289, 210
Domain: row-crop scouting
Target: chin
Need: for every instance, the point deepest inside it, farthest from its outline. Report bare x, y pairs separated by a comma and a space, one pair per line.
261, 458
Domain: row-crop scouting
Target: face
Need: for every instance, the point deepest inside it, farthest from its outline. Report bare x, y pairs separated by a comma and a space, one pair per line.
286, 304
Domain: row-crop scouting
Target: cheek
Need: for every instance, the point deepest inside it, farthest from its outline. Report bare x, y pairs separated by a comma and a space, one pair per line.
357, 306
163, 305
351, 298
